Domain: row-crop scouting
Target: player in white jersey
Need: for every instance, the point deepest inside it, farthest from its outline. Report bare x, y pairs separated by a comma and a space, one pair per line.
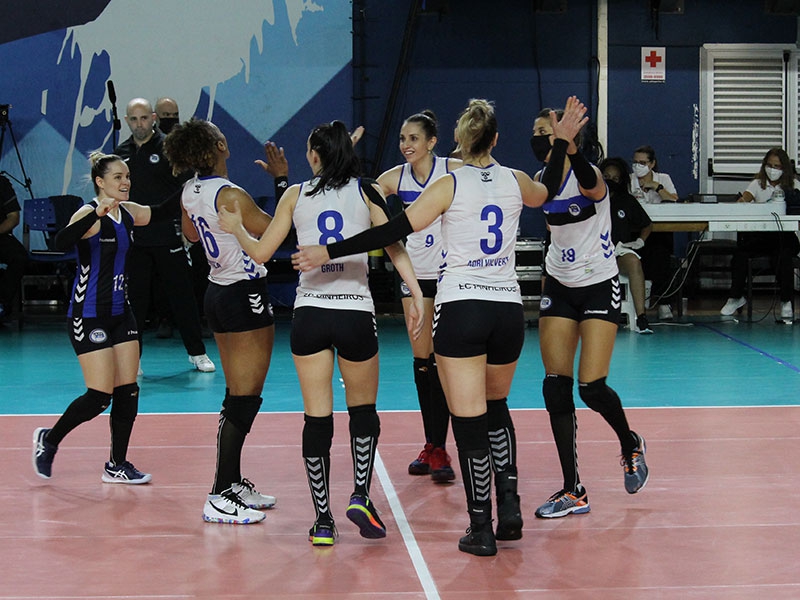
418, 138
580, 303
334, 317
236, 306
479, 321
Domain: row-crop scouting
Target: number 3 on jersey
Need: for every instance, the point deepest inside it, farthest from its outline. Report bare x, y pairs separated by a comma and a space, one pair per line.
492, 213
330, 224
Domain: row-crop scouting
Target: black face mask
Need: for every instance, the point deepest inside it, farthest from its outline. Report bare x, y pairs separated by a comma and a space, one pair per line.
614, 187
541, 146
166, 124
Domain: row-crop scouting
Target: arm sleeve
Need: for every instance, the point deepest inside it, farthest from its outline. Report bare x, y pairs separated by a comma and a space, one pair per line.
281, 185
69, 236
584, 172
168, 209
554, 170
375, 237
374, 196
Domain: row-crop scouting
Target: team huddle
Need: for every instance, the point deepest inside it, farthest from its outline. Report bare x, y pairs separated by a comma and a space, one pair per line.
461, 300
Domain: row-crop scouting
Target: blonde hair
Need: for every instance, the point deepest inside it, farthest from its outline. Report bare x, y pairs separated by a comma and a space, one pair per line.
476, 127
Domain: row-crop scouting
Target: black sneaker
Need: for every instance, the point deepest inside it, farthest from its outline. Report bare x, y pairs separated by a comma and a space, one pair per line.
509, 517
322, 534
43, 453
642, 324
124, 473
479, 540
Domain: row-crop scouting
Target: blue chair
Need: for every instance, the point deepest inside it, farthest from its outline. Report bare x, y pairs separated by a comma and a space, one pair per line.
50, 272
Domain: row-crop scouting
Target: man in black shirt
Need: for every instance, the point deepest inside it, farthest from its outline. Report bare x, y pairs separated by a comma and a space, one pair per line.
158, 248
12, 252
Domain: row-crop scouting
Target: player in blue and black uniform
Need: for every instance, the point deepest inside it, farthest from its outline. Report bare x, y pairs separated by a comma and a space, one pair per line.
102, 327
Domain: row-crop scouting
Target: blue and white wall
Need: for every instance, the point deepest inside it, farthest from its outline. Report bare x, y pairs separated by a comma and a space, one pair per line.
260, 69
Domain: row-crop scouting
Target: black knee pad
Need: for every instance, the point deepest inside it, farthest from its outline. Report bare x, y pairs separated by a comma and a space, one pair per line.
557, 392
364, 421
498, 416
598, 396
317, 436
241, 411
125, 406
433, 372
94, 401
471, 433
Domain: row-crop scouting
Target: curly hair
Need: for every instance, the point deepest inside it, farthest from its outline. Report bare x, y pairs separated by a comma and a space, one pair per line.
190, 146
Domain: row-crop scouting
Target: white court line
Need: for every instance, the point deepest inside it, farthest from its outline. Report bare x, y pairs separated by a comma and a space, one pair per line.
420, 566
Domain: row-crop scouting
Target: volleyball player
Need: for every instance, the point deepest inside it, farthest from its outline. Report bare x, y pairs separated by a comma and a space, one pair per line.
236, 306
418, 137
580, 303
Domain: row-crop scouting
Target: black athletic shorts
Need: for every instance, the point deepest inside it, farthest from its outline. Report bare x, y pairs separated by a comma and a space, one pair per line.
599, 301
90, 334
474, 327
353, 333
428, 287
241, 306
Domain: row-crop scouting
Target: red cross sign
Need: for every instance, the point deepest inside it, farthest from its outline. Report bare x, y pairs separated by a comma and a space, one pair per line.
654, 64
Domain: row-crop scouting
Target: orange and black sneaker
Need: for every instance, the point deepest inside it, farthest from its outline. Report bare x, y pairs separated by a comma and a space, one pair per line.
364, 514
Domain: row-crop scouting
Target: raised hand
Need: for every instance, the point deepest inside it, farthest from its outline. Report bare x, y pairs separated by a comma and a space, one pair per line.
276, 163
230, 221
309, 257
571, 122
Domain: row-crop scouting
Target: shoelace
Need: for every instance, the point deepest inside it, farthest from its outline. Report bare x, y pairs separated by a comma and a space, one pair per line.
248, 485
631, 463
232, 496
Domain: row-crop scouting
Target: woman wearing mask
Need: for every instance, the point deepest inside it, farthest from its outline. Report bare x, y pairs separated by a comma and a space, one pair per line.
774, 181
580, 305
480, 324
649, 186
334, 317
418, 137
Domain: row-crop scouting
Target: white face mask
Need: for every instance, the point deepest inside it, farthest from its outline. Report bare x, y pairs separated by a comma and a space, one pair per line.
640, 170
772, 173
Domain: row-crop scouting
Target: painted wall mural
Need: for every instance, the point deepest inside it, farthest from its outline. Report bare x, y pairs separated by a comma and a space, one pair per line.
260, 69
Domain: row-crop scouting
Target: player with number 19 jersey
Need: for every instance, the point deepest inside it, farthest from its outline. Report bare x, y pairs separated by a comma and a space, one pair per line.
480, 238
229, 263
326, 217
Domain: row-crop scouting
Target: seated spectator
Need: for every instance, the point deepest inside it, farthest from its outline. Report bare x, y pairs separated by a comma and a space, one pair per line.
651, 187
630, 228
773, 182
12, 252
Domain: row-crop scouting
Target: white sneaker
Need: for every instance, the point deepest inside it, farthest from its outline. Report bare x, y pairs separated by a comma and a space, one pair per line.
664, 312
202, 363
228, 507
787, 314
732, 305
252, 497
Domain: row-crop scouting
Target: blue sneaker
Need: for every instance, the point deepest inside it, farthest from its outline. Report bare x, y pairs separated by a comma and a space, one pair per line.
124, 473
43, 453
636, 471
563, 503
362, 512
323, 534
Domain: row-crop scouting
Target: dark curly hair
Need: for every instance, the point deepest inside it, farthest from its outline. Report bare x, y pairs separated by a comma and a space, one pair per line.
190, 146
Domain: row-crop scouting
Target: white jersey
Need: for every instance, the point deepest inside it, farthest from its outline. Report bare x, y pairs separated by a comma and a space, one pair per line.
581, 252
424, 247
228, 262
480, 236
327, 217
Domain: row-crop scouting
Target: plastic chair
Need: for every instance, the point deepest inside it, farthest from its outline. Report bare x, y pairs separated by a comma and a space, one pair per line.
50, 272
